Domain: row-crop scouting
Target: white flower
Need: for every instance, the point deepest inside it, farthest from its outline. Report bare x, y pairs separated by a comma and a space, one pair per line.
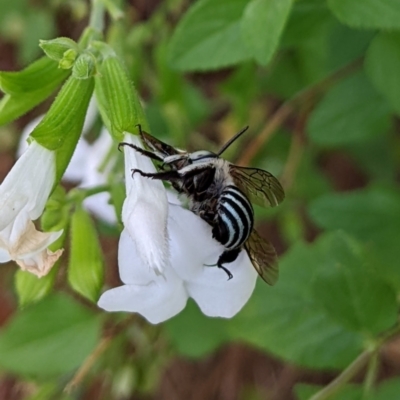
86, 165
162, 255
23, 195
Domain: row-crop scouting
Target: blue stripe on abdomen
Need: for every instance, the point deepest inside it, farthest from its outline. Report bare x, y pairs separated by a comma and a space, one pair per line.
236, 214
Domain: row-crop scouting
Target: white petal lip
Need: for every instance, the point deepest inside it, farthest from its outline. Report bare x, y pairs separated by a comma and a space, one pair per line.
159, 298
145, 209
23, 195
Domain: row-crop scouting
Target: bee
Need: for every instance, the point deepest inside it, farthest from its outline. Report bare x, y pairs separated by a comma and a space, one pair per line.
220, 193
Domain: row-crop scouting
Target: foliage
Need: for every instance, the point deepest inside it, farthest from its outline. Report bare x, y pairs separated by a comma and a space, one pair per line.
319, 85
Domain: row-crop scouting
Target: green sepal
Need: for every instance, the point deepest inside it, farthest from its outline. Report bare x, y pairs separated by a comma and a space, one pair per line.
60, 129
30, 288
84, 67
86, 264
56, 48
118, 99
28, 88
39, 74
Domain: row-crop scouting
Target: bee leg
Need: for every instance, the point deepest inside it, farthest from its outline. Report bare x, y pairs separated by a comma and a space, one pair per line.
140, 150
170, 176
227, 256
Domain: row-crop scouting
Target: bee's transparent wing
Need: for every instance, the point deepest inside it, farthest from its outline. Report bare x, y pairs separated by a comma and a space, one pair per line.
260, 186
263, 257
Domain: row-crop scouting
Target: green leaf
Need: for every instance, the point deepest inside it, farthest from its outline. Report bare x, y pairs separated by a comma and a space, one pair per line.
368, 156
289, 320
27, 88
351, 294
387, 390
351, 111
49, 338
118, 100
86, 264
383, 65
370, 14
212, 332
209, 36
346, 44
307, 20
373, 216
61, 127
262, 25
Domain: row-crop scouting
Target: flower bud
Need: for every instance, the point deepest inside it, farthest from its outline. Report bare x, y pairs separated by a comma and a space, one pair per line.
84, 67
68, 60
56, 49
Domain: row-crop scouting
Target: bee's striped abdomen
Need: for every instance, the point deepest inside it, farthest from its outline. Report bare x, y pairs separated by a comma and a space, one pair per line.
235, 218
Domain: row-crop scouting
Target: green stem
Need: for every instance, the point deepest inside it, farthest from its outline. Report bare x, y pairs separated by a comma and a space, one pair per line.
308, 94
96, 20
78, 195
372, 371
344, 377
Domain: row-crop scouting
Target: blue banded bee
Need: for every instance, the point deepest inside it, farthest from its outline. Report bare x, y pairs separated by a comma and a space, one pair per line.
221, 194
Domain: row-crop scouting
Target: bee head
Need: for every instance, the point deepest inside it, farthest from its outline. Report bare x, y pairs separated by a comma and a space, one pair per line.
201, 156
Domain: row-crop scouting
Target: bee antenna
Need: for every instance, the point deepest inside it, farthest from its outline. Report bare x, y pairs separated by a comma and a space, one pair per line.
230, 141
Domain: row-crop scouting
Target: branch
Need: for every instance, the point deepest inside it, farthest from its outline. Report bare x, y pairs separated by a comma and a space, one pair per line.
344, 377
283, 112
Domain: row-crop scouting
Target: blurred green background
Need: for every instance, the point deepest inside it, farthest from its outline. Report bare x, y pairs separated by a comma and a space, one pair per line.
322, 97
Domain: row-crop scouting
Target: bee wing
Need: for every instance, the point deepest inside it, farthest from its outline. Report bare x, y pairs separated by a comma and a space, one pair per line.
263, 257
260, 186
157, 145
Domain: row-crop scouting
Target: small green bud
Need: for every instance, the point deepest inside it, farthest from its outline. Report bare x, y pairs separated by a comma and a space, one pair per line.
84, 67
68, 60
56, 48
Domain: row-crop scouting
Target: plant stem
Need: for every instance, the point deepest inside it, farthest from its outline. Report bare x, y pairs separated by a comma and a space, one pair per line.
88, 364
97, 352
344, 377
287, 108
96, 20
372, 371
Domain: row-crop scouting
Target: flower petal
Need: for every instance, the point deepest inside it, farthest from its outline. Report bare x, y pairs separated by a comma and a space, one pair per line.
132, 269
191, 243
157, 301
218, 297
40, 263
145, 210
27, 186
192, 247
